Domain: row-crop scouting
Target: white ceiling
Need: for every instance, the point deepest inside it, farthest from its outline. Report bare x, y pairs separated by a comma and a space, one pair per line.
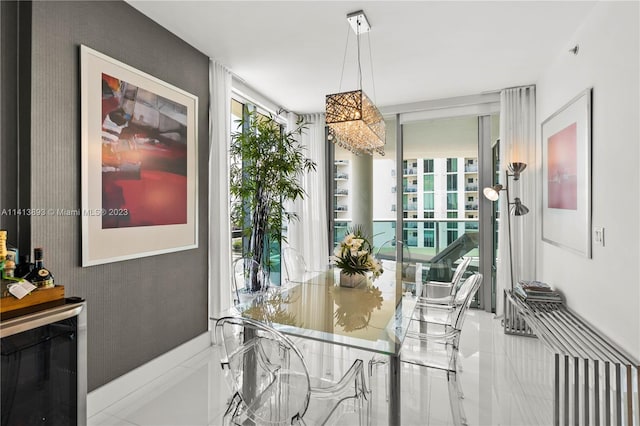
292, 51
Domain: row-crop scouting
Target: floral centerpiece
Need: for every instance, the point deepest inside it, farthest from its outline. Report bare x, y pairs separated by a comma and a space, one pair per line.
355, 259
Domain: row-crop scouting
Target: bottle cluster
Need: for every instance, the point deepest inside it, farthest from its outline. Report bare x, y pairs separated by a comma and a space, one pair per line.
15, 267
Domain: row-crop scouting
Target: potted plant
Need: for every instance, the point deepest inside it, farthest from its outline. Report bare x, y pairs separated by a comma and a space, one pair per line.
265, 175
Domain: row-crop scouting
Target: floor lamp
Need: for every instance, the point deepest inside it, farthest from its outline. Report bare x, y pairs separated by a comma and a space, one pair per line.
515, 207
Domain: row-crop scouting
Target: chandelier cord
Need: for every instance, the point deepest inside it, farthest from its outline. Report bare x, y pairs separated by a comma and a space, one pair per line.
359, 66
344, 59
373, 82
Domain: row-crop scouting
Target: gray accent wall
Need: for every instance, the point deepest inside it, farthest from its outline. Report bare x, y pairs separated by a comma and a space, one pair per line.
10, 70
137, 309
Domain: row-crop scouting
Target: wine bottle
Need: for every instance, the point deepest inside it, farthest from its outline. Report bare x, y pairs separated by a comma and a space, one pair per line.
40, 276
24, 266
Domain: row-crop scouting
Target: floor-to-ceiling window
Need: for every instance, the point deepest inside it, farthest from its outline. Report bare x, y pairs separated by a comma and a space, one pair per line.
439, 148
446, 152
439, 195
237, 247
384, 194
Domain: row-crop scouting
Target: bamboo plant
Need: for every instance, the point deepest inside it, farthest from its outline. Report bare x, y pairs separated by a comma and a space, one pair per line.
265, 174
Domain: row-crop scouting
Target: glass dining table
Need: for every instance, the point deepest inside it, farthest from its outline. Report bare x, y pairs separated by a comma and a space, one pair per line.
373, 317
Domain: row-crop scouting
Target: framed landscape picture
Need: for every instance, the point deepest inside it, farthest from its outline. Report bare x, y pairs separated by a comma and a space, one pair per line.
139, 163
566, 176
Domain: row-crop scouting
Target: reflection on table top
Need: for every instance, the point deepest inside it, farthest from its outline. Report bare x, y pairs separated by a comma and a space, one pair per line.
372, 317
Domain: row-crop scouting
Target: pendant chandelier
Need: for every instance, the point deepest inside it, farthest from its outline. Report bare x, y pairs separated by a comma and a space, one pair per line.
353, 119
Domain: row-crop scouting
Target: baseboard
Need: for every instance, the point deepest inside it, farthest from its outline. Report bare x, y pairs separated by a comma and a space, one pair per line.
108, 394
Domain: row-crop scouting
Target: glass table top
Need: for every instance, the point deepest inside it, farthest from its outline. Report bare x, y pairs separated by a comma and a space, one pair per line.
374, 316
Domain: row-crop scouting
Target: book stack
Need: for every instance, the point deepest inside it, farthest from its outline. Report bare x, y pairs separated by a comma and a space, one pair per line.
536, 291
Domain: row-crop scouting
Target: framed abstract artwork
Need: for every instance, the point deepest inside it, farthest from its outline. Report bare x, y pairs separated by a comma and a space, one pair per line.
138, 163
566, 176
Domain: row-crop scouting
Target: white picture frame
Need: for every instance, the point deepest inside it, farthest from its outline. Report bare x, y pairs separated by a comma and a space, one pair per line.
139, 165
566, 176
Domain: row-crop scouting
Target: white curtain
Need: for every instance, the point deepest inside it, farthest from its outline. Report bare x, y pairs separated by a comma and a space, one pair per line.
219, 222
517, 143
310, 235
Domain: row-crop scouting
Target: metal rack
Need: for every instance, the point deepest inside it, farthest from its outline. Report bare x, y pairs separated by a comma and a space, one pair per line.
597, 382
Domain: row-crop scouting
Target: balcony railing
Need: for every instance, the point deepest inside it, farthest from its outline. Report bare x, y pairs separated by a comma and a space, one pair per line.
341, 208
410, 188
471, 168
410, 206
410, 171
471, 207
342, 191
342, 176
471, 188
434, 236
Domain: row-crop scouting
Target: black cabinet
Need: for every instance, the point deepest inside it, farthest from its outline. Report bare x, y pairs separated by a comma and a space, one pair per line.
43, 372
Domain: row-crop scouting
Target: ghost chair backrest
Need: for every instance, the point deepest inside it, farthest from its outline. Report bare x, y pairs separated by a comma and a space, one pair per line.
265, 370
244, 270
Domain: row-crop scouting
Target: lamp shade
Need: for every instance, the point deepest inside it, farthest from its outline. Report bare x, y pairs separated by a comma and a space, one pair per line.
492, 192
355, 123
516, 168
518, 209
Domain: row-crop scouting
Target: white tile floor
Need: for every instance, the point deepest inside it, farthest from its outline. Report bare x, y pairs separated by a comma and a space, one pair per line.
506, 380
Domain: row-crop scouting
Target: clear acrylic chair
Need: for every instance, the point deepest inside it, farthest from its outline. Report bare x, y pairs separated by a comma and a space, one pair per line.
439, 348
295, 266
244, 269
448, 331
435, 344
386, 253
270, 380
444, 291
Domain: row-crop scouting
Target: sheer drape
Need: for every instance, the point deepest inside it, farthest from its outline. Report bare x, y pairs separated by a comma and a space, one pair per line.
517, 143
219, 222
309, 235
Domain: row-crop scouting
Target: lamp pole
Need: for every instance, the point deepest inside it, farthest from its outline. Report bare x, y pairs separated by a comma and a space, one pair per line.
492, 193
516, 168
506, 188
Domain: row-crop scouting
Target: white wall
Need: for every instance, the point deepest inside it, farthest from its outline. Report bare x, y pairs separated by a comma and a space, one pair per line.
605, 290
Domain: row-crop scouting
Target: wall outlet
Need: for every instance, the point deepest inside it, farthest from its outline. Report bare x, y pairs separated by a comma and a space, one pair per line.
598, 236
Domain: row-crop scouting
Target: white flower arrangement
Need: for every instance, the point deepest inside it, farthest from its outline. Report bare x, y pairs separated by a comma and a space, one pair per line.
354, 255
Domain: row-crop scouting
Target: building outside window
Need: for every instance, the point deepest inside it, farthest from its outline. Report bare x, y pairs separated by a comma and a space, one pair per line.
452, 182
452, 201
452, 165
428, 182
429, 203
429, 238
428, 165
